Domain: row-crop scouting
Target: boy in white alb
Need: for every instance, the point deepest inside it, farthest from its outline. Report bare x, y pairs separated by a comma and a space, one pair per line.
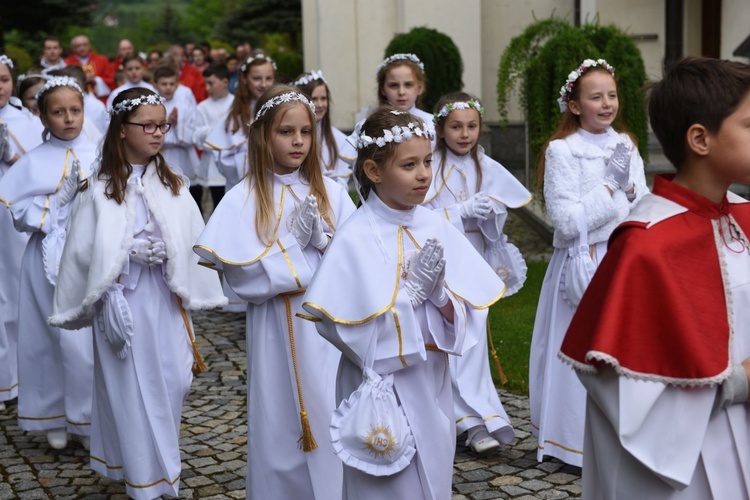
661, 339
208, 113
178, 150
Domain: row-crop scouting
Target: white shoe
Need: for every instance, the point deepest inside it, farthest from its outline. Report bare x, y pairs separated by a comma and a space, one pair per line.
84, 440
2, 405
57, 438
480, 440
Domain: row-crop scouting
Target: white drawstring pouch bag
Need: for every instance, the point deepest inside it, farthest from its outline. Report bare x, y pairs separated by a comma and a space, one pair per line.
506, 259
369, 430
579, 267
116, 320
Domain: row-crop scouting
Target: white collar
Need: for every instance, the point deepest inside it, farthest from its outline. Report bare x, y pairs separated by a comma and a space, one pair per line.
288, 179
71, 144
388, 214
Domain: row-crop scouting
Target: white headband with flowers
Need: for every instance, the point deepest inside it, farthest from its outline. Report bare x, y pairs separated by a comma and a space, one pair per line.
281, 99
6, 60
313, 76
58, 81
396, 134
128, 104
452, 106
400, 57
574, 75
258, 57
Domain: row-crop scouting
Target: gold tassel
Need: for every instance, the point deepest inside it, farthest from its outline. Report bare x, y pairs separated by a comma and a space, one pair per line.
493, 352
306, 441
199, 366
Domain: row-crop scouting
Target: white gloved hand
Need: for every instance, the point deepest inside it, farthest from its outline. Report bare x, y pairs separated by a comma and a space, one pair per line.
318, 238
478, 206
303, 225
149, 252
7, 152
69, 186
428, 269
618, 166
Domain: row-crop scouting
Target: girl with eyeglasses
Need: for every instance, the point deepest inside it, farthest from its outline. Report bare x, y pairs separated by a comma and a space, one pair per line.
128, 270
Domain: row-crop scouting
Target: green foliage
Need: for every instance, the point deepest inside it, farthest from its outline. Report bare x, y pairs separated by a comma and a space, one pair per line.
202, 16
511, 325
20, 57
441, 58
539, 60
289, 64
250, 19
34, 19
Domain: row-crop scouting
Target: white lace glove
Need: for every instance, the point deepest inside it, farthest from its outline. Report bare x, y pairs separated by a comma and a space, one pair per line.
318, 238
478, 206
303, 225
6, 146
149, 252
618, 167
69, 186
428, 271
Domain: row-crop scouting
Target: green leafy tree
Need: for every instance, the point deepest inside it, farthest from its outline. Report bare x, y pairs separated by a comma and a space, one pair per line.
442, 61
33, 19
251, 19
537, 63
203, 16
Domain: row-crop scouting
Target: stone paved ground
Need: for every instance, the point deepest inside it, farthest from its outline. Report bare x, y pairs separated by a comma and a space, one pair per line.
213, 438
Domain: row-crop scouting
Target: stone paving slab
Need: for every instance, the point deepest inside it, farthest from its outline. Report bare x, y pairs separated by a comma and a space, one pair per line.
214, 437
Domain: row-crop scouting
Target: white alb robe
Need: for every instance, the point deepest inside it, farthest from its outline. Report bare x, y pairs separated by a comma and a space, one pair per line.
208, 114
25, 133
475, 395
336, 168
370, 259
178, 150
137, 403
286, 360
55, 366
573, 177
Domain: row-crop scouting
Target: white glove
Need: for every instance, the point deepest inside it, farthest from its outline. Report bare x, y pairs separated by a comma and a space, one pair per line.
303, 225
618, 166
427, 275
6, 146
149, 252
478, 206
318, 238
69, 186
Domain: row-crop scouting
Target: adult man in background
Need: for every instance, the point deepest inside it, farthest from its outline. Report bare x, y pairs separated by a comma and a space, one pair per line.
100, 79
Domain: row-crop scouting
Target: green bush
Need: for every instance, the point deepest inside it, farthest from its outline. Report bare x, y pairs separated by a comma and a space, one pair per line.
289, 64
442, 61
20, 57
537, 62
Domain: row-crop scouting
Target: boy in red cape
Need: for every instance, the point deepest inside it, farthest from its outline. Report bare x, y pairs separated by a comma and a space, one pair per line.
661, 339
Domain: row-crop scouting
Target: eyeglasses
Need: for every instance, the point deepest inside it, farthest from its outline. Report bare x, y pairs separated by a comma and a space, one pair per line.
150, 128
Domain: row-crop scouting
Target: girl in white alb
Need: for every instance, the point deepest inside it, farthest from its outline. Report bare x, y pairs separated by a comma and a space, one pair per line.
330, 139
20, 131
593, 176
422, 294
56, 366
128, 270
473, 192
267, 236
401, 82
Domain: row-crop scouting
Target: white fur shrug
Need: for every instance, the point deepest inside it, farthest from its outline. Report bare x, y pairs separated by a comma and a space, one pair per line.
100, 233
574, 173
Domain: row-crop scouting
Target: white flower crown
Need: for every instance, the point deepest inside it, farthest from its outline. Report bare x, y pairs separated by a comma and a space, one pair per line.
129, 104
313, 76
400, 57
58, 81
257, 57
281, 99
574, 75
6, 60
451, 106
396, 134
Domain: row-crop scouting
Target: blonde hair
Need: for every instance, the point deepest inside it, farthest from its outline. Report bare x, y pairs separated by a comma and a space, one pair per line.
240, 113
261, 162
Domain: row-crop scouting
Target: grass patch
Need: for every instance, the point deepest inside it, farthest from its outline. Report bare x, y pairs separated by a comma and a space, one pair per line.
511, 324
